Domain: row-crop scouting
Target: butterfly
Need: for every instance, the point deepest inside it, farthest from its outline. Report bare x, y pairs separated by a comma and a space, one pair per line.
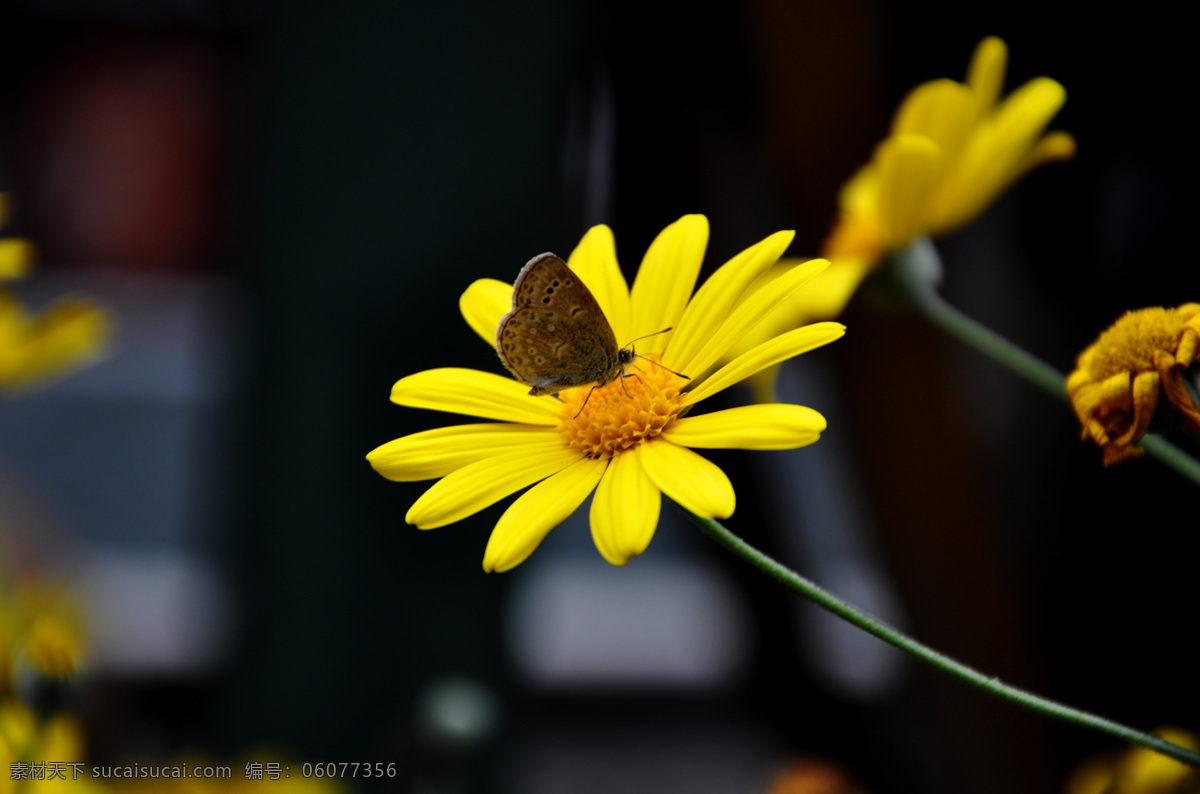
556, 336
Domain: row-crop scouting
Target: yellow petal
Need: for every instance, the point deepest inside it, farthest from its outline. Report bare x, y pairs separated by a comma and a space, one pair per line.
1026, 112
860, 194
940, 110
749, 313
1057, 145
828, 294
695, 483
625, 509
474, 393
712, 303
985, 75
68, 334
1077, 380
748, 427
435, 453
780, 348
994, 156
909, 169
1111, 395
989, 176
483, 304
537, 511
777, 321
822, 299
485, 482
1146, 386
762, 385
667, 277
973, 183
595, 261
15, 257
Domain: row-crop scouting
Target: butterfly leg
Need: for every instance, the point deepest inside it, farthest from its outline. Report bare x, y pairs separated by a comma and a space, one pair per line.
622, 376
585, 401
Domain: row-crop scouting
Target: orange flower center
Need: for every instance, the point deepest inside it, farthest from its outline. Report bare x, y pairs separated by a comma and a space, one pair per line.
616, 417
1129, 344
854, 235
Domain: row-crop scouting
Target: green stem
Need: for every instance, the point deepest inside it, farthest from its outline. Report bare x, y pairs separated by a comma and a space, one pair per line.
988, 342
914, 262
827, 600
1171, 455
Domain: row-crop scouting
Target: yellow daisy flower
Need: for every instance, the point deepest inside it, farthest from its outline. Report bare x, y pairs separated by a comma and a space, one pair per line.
41, 630
1118, 379
629, 442
26, 739
954, 147
70, 333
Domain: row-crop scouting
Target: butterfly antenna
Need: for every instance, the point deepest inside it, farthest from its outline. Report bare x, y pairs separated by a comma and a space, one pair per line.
668, 369
647, 336
652, 361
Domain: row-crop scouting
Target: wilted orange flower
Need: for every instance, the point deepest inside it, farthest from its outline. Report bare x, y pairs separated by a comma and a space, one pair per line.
1117, 381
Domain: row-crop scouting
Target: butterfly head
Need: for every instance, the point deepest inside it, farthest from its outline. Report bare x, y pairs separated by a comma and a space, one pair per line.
625, 357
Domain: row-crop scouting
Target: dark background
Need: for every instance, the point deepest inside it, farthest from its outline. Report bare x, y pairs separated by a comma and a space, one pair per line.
341, 172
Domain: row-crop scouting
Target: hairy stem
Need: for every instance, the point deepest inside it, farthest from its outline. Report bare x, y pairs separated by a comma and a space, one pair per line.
797, 583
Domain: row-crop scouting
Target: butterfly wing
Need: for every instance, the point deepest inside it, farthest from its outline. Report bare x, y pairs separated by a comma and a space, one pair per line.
556, 335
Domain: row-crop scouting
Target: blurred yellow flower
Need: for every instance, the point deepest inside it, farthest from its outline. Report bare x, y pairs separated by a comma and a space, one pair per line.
41, 630
953, 148
1119, 378
56, 742
70, 333
629, 442
1139, 771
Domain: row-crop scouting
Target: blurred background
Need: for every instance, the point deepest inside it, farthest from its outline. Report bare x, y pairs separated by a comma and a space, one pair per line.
281, 203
